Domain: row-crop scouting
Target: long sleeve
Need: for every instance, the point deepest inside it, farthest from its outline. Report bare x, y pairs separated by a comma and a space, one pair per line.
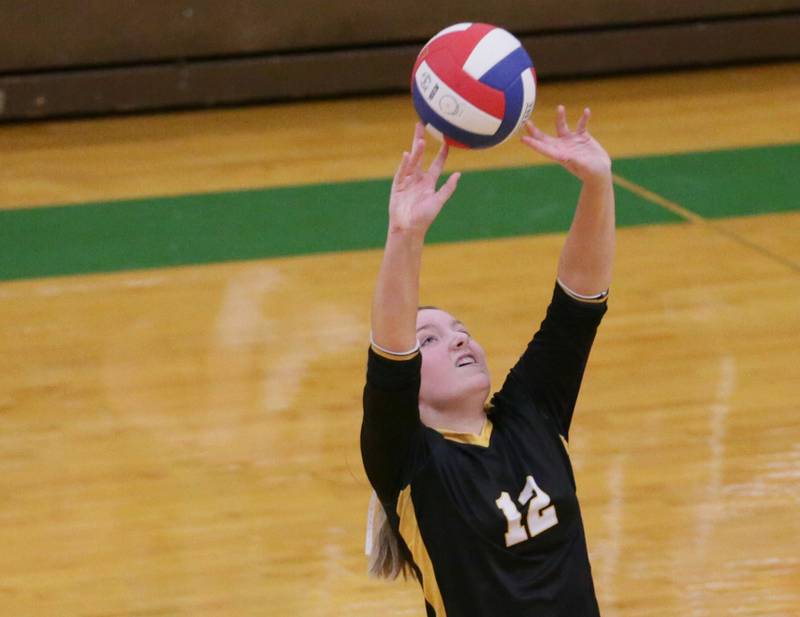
551, 369
391, 430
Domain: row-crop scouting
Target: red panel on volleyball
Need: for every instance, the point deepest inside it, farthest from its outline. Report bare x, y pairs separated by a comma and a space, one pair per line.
462, 42
480, 95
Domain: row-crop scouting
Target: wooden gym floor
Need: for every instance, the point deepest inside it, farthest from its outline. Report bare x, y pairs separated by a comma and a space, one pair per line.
184, 440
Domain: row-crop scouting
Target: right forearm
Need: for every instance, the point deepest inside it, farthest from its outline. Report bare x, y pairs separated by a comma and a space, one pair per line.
394, 306
413, 205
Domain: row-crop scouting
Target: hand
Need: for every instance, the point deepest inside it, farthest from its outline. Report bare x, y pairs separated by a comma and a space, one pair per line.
578, 152
414, 201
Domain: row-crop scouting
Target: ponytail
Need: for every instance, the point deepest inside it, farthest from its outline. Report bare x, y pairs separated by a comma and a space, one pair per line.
387, 557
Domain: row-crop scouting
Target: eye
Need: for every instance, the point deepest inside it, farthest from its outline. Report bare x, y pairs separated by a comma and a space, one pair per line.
426, 339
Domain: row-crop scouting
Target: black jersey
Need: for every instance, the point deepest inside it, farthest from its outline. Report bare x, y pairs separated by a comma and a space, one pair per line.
491, 520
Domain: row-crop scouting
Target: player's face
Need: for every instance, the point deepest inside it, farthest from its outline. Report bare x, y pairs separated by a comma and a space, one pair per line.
453, 364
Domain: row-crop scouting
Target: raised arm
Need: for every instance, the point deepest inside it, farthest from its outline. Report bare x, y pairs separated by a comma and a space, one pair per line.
391, 408
551, 368
587, 257
413, 205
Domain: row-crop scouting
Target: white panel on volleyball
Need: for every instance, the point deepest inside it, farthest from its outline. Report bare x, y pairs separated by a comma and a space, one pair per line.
451, 106
492, 48
528, 100
449, 29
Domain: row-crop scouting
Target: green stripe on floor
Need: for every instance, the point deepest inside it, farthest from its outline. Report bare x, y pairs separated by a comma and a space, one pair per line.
723, 183
255, 224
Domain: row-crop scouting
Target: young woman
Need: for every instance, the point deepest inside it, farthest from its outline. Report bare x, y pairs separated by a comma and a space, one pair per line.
479, 500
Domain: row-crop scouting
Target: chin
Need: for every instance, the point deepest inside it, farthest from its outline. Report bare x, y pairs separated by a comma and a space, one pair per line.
482, 383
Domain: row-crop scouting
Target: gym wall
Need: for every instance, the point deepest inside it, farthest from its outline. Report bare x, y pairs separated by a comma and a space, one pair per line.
91, 57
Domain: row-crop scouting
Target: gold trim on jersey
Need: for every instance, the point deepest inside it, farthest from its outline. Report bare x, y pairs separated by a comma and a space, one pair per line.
470, 438
409, 530
395, 356
564, 443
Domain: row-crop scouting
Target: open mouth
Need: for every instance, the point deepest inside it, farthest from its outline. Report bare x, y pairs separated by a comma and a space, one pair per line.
465, 361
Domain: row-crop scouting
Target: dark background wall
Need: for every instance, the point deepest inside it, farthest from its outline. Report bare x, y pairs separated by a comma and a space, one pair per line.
106, 56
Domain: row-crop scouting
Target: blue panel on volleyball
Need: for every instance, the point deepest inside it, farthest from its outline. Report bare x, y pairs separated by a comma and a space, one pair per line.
507, 70
514, 100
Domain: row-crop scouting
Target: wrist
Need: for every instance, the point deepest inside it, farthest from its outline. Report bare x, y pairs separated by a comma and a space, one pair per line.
599, 180
411, 235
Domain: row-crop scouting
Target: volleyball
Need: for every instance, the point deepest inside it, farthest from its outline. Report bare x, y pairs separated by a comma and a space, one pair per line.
473, 85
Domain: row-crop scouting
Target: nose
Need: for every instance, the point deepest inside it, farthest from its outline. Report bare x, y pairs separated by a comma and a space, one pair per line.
459, 339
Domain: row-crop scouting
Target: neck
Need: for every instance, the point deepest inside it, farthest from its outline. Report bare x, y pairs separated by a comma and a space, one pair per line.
461, 418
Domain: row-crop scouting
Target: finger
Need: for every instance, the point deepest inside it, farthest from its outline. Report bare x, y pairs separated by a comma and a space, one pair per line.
449, 187
562, 128
402, 169
535, 132
584, 121
419, 133
545, 149
438, 163
417, 150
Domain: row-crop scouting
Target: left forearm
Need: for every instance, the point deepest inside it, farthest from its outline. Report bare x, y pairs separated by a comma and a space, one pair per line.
588, 254
587, 257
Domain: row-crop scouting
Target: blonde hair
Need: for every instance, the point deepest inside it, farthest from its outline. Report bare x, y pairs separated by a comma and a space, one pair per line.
387, 559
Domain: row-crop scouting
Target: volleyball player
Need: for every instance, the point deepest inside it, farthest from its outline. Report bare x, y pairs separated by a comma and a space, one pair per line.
478, 500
